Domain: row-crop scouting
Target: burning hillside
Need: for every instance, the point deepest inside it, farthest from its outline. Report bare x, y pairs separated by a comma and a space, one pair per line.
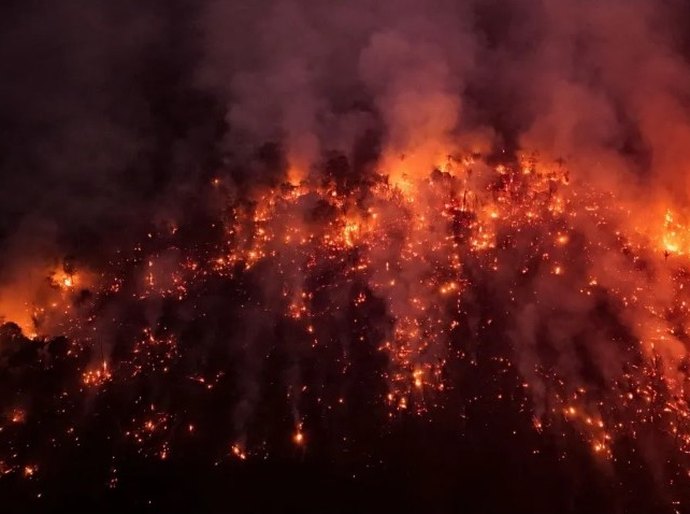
432, 282
519, 271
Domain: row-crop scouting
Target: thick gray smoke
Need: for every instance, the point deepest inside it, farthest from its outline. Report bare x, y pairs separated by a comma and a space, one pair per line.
600, 84
110, 109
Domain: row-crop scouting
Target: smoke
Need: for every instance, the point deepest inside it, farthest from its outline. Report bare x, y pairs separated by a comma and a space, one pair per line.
108, 111
598, 84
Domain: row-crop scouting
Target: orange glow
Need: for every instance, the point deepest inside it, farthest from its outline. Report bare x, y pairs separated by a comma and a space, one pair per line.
410, 243
298, 437
98, 376
238, 452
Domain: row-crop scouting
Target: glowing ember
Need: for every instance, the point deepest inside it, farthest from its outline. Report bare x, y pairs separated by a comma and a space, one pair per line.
298, 437
237, 452
17, 416
97, 377
422, 275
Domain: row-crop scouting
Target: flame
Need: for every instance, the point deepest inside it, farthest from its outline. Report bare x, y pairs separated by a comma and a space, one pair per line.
674, 235
414, 243
98, 376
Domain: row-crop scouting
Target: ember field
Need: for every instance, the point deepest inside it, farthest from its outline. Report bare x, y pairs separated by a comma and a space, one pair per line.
330, 325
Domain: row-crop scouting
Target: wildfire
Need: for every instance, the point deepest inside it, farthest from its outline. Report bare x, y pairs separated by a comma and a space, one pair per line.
424, 267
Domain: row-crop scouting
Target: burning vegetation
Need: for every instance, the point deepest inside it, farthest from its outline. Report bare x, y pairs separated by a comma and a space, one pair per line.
424, 256
542, 283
